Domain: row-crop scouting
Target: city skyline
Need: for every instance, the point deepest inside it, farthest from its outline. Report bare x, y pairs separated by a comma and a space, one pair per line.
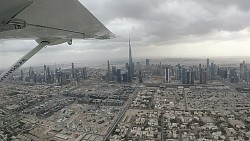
160, 29
164, 101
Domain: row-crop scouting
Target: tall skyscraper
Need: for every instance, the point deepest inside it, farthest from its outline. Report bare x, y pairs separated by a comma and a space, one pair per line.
45, 73
201, 75
184, 76
192, 77
48, 75
125, 77
119, 75
212, 73
31, 74
85, 73
208, 70
108, 67
114, 70
188, 77
108, 73
129, 79
73, 70
130, 63
244, 71
178, 72
140, 76
167, 75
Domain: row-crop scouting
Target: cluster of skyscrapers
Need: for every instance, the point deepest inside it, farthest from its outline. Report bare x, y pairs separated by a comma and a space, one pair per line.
128, 75
192, 74
54, 76
235, 75
186, 74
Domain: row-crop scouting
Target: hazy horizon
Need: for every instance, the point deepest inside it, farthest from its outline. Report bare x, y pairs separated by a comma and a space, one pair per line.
115, 61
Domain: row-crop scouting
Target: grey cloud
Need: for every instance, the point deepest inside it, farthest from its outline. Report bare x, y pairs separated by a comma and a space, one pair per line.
168, 19
16, 46
149, 23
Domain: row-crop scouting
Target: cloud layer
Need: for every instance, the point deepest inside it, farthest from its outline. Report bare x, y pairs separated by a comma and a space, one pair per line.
158, 28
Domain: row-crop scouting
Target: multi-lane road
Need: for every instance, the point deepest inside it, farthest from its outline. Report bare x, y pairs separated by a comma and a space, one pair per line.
121, 114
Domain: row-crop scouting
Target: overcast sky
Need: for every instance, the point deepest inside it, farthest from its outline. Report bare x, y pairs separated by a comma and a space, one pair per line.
158, 28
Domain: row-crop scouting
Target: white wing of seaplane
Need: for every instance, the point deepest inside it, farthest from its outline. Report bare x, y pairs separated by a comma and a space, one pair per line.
49, 22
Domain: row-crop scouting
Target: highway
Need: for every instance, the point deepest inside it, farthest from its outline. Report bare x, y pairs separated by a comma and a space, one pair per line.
120, 115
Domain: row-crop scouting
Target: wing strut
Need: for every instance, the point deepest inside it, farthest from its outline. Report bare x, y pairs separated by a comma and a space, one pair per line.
24, 59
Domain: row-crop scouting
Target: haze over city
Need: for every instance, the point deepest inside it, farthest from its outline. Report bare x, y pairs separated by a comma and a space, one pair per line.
158, 29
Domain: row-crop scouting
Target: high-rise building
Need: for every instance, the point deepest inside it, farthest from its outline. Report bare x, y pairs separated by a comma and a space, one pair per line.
35, 78
119, 75
52, 73
208, 70
204, 80
108, 76
114, 70
130, 65
77, 75
57, 76
126, 66
178, 72
192, 77
167, 74
31, 74
73, 71
125, 77
45, 73
184, 76
140, 76
48, 75
201, 75
129, 75
188, 77
108, 68
233, 76
212, 73
82, 73
244, 70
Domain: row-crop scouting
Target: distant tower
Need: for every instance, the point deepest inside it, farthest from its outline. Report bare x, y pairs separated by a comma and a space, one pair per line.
130, 63
192, 77
45, 74
114, 70
201, 76
245, 71
188, 77
208, 70
48, 75
140, 76
108, 74
73, 70
125, 77
85, 73
119, 75
108, 68
167, 75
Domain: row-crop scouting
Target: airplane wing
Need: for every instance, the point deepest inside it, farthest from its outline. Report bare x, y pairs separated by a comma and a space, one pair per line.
49, 22
42, 19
